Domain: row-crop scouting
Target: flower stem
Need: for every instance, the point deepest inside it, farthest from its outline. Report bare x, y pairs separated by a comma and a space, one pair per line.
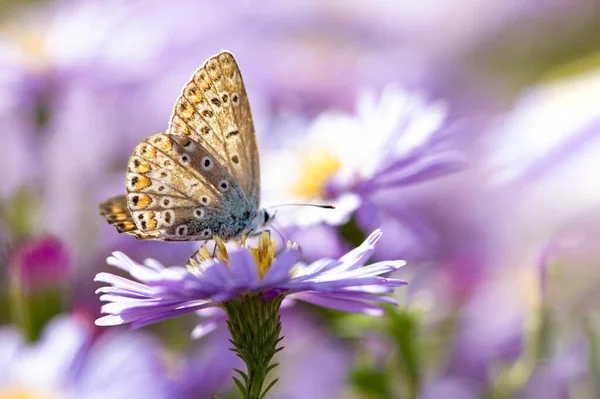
255, 326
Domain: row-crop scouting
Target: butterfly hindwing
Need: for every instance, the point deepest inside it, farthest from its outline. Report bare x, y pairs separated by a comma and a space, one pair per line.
176, 187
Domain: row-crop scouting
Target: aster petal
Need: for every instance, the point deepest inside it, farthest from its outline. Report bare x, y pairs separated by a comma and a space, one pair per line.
110, 320
243, 269
370, 270
425, 170
317, 267
123, 283
204, 329
216, 274
280, 269
360, 297
120, 292
345, 305
332, 284
369, 289
358, 256
154, 264
156, 317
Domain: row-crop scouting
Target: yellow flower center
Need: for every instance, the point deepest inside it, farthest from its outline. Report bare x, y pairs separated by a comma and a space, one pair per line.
31, 43
22, 393
264, 254
317, 168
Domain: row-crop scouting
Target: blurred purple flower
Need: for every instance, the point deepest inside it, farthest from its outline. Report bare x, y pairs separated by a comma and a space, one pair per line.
344, 284
361, 164
314, 363
40, 264
391, 142
66, 363
207, 370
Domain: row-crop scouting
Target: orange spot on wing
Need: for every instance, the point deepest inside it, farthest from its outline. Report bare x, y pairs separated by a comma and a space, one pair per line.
151, 222
143, 168
143, 201
142, 182
186, 110
166, 145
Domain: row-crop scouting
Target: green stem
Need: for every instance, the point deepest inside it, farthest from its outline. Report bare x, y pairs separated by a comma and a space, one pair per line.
255, 327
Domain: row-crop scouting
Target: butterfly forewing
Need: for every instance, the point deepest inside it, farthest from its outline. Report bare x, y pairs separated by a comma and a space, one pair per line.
214, 110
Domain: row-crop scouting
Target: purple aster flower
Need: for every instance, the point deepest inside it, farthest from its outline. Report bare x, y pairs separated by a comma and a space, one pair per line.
393, 141
361, 163
162, 292
315, 364
68, 363
250, 284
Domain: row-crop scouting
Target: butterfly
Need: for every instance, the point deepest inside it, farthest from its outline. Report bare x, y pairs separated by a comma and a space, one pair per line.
201, 178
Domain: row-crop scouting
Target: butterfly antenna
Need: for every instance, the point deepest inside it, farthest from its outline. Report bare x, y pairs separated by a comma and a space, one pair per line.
313, 205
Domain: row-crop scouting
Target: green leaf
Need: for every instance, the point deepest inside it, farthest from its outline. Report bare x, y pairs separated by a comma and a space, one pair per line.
271, 385
241, 387
244, 375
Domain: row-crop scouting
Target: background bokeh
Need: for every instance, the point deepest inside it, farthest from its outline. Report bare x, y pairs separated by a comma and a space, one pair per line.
498, 221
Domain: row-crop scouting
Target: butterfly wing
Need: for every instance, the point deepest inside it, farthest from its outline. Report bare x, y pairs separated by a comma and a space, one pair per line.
213, 109
176, 187
202, 178
115, 211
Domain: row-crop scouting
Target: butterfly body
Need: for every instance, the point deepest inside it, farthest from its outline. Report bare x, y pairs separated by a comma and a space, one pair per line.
201, 178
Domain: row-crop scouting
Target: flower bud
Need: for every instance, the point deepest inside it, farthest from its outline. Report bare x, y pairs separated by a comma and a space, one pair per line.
39, 271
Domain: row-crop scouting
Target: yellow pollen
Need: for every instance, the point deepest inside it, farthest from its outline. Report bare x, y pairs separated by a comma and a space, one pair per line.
264, 254
317, 168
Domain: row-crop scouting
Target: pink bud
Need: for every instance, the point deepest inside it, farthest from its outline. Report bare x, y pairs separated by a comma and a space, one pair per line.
40, 263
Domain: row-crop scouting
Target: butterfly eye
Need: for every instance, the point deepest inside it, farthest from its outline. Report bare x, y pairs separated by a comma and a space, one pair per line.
207, 163
199, 213
182, 230
205, 199
206, 233
223, 186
